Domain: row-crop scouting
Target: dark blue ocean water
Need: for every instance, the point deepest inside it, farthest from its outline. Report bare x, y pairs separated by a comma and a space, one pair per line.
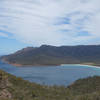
52, 75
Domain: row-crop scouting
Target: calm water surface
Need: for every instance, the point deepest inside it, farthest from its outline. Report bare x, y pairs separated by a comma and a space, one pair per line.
59, 75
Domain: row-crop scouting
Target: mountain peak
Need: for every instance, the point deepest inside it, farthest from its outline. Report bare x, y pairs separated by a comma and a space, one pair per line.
44, 46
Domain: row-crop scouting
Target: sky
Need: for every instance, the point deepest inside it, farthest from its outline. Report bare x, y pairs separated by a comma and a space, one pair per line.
53, 22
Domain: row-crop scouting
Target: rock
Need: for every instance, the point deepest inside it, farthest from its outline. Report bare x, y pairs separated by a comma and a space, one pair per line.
5, 94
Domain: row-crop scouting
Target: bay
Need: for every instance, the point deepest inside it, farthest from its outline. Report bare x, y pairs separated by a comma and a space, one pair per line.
52, 75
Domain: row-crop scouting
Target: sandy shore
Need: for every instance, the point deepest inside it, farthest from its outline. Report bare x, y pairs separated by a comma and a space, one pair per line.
81, 65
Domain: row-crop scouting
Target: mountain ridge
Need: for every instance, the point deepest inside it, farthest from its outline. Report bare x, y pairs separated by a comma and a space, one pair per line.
55, 55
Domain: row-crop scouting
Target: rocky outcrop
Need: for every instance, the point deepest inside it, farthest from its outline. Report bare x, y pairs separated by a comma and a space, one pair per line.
4, 84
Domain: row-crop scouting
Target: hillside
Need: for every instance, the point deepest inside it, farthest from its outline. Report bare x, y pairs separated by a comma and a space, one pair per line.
13, 88
52, 55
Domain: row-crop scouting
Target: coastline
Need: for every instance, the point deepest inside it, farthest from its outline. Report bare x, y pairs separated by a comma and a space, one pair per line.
21, 65
5, 61
88, 65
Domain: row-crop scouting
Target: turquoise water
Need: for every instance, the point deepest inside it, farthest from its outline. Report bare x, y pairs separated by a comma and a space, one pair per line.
52, 75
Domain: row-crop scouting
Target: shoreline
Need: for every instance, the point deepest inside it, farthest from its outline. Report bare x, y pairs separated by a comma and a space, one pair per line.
20, 65
92, 66
5, 61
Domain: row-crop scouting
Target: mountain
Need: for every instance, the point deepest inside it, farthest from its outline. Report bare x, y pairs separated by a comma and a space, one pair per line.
53, 55
15, 88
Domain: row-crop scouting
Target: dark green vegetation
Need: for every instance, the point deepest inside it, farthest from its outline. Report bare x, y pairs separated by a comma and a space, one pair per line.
13, 88
52, 55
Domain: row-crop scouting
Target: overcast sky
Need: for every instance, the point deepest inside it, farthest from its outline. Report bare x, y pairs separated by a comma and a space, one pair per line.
53, 22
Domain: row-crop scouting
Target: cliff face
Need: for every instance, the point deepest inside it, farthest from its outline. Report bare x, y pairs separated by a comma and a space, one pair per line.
52, 55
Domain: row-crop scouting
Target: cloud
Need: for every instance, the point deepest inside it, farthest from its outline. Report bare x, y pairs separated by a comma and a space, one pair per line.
54, 22
3, 35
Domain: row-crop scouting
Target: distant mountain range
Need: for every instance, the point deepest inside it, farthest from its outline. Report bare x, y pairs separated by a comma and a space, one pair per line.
52, 55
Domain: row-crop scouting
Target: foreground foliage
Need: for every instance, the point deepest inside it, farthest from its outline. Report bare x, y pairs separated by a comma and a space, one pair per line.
13, 88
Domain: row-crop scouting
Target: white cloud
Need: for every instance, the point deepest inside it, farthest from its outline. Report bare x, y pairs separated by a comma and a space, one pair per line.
3, 35
55, 22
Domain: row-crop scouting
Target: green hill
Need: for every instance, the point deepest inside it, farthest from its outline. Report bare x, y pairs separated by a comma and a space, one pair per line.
13, 88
